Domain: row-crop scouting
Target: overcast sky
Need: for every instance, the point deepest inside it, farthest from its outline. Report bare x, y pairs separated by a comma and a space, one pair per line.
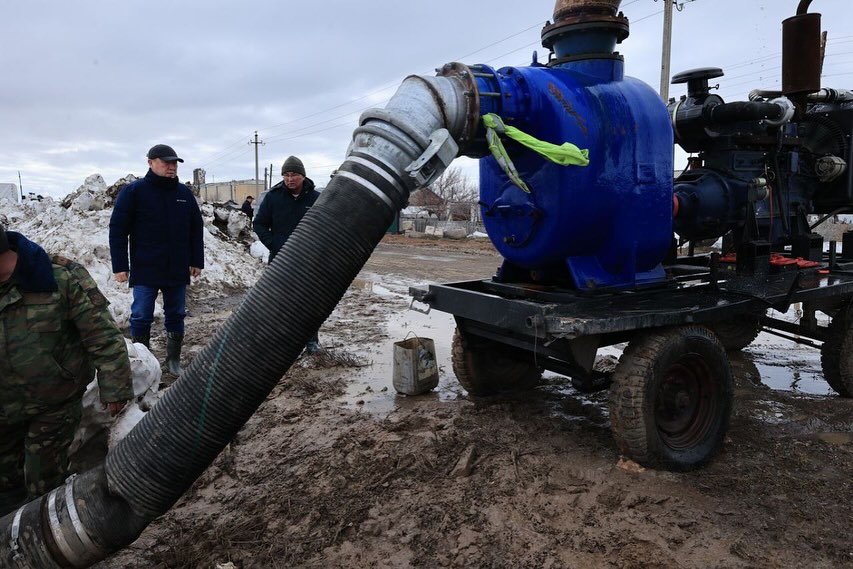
89, 86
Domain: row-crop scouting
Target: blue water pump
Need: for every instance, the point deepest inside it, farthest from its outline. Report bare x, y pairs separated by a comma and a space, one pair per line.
607, 224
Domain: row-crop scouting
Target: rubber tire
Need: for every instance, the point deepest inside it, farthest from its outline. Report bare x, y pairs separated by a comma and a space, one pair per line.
638, 406
836, 354
738, 333
485, 368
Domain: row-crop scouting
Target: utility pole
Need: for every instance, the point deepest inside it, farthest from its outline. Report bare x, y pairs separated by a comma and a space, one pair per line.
256, 142
667, 50
270, 177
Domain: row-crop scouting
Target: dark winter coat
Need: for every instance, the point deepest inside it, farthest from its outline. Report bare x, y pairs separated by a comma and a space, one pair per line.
161, 218
279, 214
248, 209
55, 330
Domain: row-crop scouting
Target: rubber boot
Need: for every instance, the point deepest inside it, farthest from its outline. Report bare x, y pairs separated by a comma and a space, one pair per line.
144, 340
174, 341
313, 344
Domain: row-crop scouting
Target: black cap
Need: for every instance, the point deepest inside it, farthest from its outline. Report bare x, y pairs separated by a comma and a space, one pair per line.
164, 153
4, 241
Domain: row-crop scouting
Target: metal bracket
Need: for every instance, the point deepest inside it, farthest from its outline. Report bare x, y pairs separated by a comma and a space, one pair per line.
416, 309
785, 303
437, 156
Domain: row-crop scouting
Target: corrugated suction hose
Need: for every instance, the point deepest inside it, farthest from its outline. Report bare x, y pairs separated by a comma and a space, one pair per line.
105, 509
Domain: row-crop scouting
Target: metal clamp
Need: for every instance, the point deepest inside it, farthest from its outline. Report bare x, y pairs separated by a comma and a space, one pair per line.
17, 556
787, 108
73, 542
435, 159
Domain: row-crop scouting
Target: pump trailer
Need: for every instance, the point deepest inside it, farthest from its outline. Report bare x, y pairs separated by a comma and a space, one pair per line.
578, 196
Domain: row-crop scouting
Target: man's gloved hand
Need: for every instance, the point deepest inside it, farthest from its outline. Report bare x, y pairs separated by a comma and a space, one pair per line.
114, 408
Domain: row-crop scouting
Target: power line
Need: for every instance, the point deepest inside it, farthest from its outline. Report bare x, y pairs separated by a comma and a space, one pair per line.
502, 40
211, 157
312, 129
287, 136
224, 154
397, 82
652, 15
345, 115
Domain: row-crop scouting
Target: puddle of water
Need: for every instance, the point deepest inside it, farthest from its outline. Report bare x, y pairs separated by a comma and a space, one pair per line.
786, 366
371, 388
372, 286
797, 380
431, 258
772, 412
835, 438
779, 364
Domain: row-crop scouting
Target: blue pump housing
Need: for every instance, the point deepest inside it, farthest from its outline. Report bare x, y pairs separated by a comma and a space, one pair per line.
604, 225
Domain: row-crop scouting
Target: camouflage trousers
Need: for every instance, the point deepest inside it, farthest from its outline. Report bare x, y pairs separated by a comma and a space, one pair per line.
34, 451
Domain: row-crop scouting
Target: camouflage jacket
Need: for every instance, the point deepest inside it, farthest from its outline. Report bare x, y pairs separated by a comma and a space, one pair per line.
55, 330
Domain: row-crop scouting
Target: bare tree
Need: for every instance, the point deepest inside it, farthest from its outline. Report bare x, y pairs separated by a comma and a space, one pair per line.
454, 186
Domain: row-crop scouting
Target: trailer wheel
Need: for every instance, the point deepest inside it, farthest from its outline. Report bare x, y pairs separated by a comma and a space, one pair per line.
485, 368
671, 398
836, 354
737, 333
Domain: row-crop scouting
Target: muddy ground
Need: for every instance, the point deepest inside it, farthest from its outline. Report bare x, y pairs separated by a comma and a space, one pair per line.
335, 470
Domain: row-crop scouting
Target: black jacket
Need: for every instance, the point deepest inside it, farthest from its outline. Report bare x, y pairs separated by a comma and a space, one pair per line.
247, 209
161, 220
280, 213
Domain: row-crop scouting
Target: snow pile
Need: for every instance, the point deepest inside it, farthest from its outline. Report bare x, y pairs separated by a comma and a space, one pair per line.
91, 196
146, 385
80, 231
146, 391
260, 251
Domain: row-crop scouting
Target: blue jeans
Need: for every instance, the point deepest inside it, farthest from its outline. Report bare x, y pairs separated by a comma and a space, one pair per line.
142, 308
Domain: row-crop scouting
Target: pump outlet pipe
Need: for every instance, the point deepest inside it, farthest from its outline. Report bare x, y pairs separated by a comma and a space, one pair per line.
406, 145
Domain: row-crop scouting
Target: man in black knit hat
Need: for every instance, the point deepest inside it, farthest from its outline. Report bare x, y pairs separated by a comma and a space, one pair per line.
280, 212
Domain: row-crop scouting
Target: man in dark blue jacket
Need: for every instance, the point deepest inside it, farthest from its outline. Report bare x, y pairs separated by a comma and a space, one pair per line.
280, 212
248, 209
162, 222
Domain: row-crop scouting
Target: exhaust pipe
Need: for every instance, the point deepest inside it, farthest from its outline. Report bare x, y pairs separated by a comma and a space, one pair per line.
802, 59
406, 145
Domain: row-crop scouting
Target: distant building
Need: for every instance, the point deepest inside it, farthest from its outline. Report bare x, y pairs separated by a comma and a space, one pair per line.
235, 191
427, 200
